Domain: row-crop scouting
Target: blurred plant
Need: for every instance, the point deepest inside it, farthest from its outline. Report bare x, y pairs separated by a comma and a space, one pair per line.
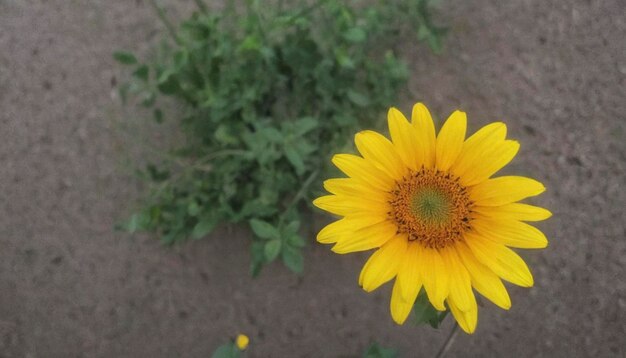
233, 349
268, 93
425, 313
376, 351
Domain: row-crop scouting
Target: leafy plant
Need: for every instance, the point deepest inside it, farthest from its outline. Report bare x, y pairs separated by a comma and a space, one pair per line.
267, 92
228, 350
425, 313
235, 348
377, 351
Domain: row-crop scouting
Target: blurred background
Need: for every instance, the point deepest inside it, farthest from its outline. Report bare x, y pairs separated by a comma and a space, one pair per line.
72, 286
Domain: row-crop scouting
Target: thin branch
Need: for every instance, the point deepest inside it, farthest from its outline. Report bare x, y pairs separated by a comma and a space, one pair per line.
168, 25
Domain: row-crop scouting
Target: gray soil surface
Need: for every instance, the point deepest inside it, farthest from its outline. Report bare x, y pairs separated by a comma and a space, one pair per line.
70, 286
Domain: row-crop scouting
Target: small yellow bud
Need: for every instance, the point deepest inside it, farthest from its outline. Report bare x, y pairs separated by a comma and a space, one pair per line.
242, 342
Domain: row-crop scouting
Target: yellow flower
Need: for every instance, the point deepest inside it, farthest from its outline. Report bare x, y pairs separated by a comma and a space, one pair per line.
438, 220
242, 342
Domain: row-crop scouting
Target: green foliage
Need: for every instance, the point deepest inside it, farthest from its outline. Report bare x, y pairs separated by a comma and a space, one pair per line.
376, 351
268, 94
425, 313
228, 350
125, 58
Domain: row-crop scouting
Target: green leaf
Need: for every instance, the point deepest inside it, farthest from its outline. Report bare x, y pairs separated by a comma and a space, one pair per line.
305, 125
272, 249
180, 59
345, 61
435, 43
193, 208
293, 259
376, 351
168, 84
138, 222
292, 227
272, 134
355, 35
358, 98
142, 72
425, 313
295, 159
228, 350
423, 32
224, 136
250, 43
125, 58
304, 148
264, 229
204, 226
296, 240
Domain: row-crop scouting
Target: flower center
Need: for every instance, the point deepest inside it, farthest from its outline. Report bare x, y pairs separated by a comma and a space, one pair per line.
431, 207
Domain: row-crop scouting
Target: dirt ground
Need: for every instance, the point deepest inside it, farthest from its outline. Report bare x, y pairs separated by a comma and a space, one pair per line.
70, 286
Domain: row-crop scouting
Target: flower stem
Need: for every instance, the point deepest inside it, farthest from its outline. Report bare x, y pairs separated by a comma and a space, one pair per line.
448, 343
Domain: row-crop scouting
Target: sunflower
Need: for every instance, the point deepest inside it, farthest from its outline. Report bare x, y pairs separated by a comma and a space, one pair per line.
437, 219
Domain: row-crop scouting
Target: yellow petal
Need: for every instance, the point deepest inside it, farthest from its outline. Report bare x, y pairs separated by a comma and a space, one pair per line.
450, 140
500, 259
401, 305
352, 188
333, 232
405, 139
382, 266
346, 205
425, 130
460, 282
511, 233
504, 190
366, 238
490, 162
483, 279
467, 319
408, 274
476, 146
363, 171
434, 275
482, 140
515, 211
377, 149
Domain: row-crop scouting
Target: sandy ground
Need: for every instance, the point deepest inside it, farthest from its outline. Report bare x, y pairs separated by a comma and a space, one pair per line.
72, 287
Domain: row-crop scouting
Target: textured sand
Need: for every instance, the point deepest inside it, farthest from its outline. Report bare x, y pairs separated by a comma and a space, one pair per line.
72, 287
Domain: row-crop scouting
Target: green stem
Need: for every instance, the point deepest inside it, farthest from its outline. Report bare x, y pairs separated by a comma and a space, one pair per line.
300, 194
448, 342
223, 153
199, 165
168, 25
